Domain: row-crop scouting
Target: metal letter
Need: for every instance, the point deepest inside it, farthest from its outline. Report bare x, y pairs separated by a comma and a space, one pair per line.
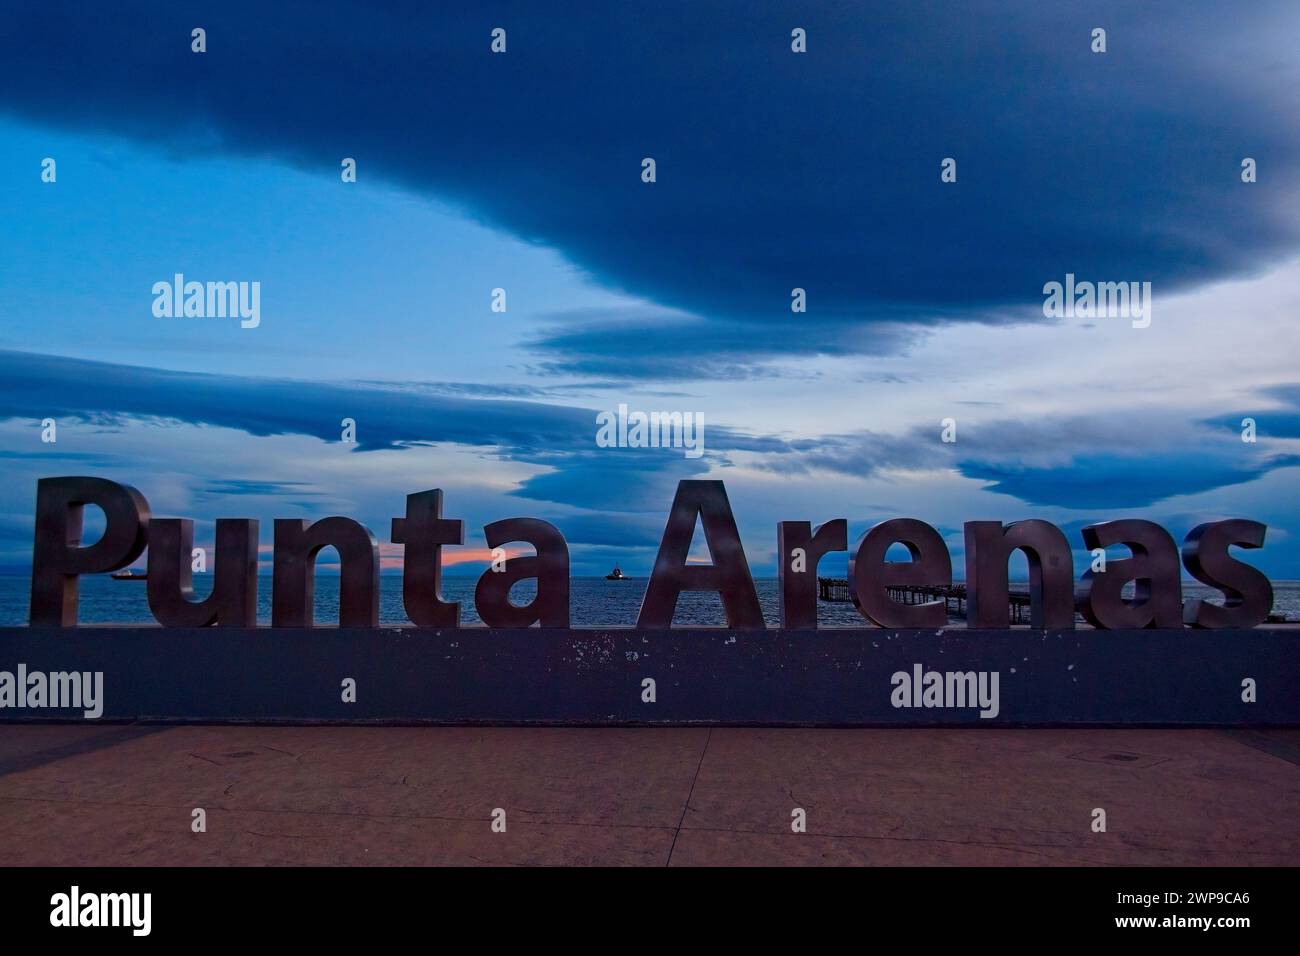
294, 577
57, 555
871, 576
550, 566
1051, 573
799, 589
423, 532
728, 575
233, 601
1153, 569
1247, 594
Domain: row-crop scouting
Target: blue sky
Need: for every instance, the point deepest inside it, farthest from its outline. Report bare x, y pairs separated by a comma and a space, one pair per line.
775, 170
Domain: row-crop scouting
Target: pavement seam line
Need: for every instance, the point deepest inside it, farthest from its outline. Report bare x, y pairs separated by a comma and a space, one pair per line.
686, 806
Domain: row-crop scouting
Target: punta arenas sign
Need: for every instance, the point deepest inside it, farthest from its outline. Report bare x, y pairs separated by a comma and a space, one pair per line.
59, 557
921, 671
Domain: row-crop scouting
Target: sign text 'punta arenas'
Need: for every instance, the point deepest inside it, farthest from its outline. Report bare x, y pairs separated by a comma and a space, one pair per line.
1152, 567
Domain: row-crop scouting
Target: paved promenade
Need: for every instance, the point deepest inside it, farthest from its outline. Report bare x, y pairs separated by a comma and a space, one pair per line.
121, 795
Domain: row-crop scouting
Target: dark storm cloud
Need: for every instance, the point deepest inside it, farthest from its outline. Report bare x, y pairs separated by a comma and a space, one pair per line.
81, 458
1101, 481
558, 437
656, 344
38, 386
775, 170
1101, 462
1276, 416
613, 530
613, 479
239, 487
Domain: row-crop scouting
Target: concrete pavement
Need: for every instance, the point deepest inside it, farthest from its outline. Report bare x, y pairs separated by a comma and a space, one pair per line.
123, 795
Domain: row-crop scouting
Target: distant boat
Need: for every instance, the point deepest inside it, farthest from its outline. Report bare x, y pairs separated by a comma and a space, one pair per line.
616, 575
128, 575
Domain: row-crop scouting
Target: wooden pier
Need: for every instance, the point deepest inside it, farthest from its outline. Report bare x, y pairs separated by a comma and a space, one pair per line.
953, 596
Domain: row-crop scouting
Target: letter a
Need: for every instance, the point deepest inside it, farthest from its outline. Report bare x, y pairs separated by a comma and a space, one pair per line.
728, 575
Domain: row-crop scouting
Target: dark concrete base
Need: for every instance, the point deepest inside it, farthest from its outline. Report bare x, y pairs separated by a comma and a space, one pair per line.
827, 677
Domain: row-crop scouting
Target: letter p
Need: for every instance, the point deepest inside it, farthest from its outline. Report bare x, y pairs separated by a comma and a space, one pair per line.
57, 555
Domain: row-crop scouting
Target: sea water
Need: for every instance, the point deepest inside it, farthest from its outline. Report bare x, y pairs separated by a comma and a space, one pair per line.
594, 602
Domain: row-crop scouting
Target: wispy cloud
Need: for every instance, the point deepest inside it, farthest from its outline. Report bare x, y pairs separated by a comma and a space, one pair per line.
1080, 461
